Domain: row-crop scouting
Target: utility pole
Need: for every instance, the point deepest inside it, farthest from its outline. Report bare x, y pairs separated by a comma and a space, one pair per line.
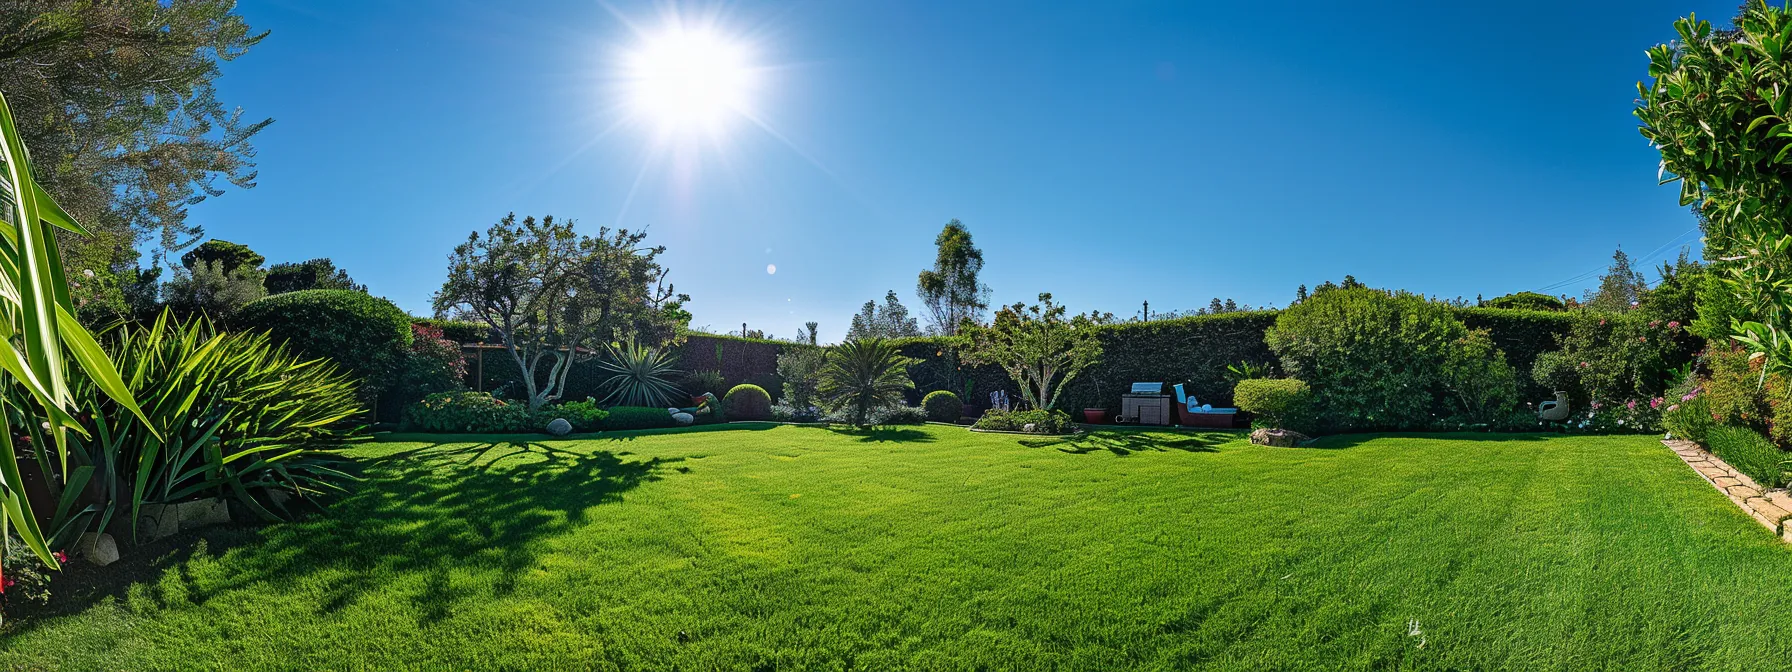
1147, 311
743, 330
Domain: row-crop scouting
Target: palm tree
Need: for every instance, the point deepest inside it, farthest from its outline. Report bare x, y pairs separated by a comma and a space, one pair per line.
861, 375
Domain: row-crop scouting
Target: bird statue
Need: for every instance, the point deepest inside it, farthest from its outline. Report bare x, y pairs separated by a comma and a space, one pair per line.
1554, 411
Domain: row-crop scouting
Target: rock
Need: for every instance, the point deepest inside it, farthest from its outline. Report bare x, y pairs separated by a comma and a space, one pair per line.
98, 548
156, 521
1280, 438
559, 427
683, 418
201, 513
1030, 427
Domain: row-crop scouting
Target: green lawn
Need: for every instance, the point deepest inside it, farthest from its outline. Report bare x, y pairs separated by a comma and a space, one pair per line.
937, 548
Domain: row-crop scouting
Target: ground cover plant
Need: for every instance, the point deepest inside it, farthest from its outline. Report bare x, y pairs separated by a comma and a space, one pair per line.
933, 547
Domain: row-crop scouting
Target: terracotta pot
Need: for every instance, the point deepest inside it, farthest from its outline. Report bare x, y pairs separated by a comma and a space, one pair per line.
1095, 416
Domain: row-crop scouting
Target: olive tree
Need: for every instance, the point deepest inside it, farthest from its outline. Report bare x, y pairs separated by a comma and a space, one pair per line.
1041, 350
554, 297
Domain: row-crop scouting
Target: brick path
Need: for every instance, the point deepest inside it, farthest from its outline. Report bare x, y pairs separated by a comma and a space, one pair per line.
1770, 508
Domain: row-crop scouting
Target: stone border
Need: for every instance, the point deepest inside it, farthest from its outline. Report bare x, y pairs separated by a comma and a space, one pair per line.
1770, 508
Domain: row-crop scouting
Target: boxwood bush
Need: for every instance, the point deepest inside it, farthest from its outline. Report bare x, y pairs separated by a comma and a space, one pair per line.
367, 336
747, 402
942, 406
1275, 401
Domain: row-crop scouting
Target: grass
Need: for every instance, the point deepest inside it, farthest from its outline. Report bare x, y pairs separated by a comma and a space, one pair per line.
937, 548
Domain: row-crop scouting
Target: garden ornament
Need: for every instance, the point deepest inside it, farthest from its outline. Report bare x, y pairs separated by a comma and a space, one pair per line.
705, 407
1554, 411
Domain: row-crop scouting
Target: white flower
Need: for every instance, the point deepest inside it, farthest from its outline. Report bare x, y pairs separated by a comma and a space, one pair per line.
87, 272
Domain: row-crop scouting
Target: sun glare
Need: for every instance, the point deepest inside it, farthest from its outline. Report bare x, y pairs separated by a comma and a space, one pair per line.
689, 79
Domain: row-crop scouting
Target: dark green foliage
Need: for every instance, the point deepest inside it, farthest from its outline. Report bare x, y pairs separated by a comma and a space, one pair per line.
365, 335
208, 291
699, 383
951, 291
1526, 301
584, 416
230, 256
887, 321
469, 412
318, 273
457, 330
434, 364
233, 415
1620, 289
1717, 308
942, 406
1381, 361
747, 402
1043, 422
863, 375
1523, 335
1615, 358
1274, 401
1750, 453
624, 418
638, 376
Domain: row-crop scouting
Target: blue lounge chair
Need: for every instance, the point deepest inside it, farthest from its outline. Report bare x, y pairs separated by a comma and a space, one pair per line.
1197, 414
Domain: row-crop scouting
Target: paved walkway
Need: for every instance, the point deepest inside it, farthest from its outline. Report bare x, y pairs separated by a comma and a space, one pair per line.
1770, 508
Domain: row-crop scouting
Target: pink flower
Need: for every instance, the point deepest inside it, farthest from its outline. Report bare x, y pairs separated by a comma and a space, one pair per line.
1674, 325
1654, 323
1583, 365
1631, 405
1642, 339
1602, 322
61, 557
1597, 405
1655, 403
1673, 407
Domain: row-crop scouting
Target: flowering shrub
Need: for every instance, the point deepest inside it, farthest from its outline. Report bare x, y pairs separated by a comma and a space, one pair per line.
1613, 359
1688, 412
1044, 422
23, 577
472, 413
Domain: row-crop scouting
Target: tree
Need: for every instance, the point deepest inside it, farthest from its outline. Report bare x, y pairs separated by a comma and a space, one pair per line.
1620, 289
801, 369
231, 255
1038, 348
1526, 301
552, 295
1716, 111
320, 273
863, 375
1300, 294
890, 320
951, 290
210, 290
119, 100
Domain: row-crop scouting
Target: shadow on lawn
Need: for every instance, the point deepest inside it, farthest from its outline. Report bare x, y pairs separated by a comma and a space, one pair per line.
1123, 443
1342, 441
432, 511
887, 434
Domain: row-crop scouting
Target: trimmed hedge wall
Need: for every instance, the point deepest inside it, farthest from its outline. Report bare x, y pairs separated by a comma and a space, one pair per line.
1192, 350
458, 331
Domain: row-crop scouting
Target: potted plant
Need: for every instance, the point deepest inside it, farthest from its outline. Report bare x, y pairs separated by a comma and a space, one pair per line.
1095, 416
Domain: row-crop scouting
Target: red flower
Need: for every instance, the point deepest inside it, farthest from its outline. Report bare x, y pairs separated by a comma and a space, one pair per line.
1674, 325
1642, 339
61, 557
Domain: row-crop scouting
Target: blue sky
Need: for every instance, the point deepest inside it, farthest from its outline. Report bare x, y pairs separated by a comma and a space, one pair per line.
1109, 153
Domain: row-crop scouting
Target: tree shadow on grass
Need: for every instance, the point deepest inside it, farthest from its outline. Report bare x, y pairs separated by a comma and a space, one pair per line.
482, 508
1123, 443
1342, 441
884, 434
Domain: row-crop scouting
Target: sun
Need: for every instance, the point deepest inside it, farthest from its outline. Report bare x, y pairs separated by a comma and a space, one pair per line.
689, 79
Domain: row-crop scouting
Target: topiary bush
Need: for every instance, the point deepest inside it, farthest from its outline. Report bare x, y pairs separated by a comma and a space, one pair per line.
637, 417
1275, 401
367, 336
942, 406
747, 402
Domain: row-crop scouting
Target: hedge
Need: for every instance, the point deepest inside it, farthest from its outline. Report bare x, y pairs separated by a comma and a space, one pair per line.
1191, 350
459, 331
366, 335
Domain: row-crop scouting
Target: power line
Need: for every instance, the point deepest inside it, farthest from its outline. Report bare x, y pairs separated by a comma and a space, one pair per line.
1676, 240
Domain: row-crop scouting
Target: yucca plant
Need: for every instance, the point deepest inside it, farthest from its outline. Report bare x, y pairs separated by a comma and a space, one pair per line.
226, 414
639, 376
38, 330
862, 375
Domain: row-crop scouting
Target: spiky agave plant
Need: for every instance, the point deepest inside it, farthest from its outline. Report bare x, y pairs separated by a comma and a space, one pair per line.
39, 334
862, 375
639, 375
227, 415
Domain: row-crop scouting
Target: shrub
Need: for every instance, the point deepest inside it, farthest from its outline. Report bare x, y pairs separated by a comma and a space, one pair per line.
1482, 391
367, 336
1272, 400
788, 413
801, 370
1733, 390
469, 412
1750, 453
27, 577
1688, 413
1616, 357
639, 376
942, 406
1379, 360
747, 402
1044, 422
1526, 301
896, 414
251, 417
457, 330
636, 417
864, 375
699, 383
584, 416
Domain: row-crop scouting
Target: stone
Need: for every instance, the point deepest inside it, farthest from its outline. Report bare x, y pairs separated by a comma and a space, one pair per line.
1780, 499
1742, 492
1767, 510
683, 418
1280, 438
1030, 427
155, 521
1725, 482
202, 513
98, 548
559, 427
